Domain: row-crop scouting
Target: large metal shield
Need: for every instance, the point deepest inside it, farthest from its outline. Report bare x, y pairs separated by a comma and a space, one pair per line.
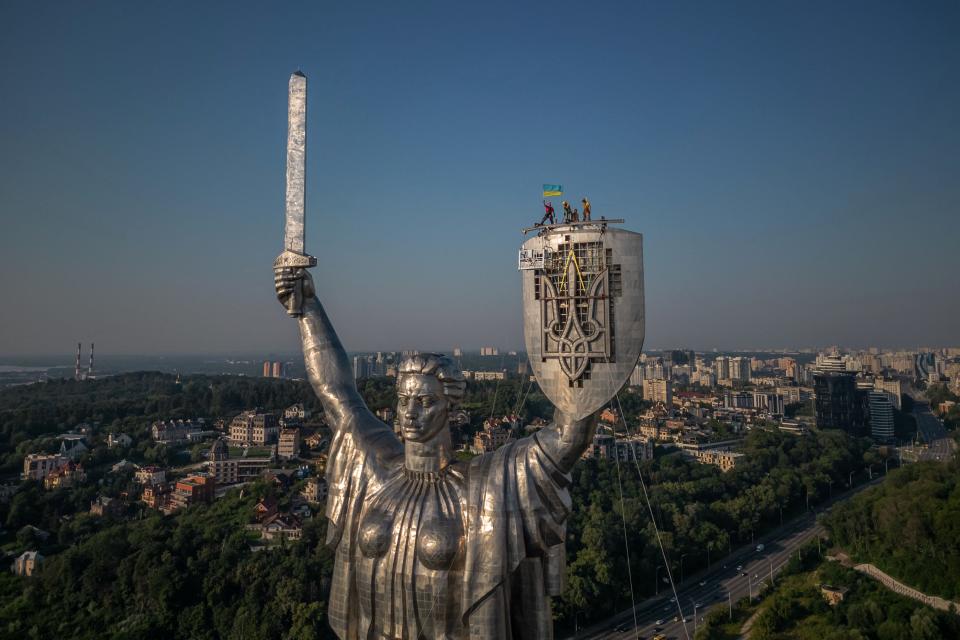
583, 317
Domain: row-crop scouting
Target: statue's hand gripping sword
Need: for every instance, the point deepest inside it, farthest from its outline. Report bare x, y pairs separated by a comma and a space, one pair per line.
294, 254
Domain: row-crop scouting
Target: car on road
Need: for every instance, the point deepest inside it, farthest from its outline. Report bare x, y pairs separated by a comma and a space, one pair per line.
760, 548
623, 627
659, 636
698, 605
744, 574
674, 599
660, 622
703, 583
739, 567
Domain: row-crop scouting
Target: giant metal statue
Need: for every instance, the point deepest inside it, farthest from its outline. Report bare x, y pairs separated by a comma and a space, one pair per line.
429, 546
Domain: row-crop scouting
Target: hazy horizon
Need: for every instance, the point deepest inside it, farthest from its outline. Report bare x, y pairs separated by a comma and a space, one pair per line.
793, 168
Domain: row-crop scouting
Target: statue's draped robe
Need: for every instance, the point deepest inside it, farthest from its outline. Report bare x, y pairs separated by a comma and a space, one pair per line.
511, 504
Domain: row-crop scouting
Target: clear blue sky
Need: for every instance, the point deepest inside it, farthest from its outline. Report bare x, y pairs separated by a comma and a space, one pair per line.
793, 166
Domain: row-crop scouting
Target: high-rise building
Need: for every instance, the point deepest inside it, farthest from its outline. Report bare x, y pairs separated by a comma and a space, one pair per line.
740, 369
839, 404
489, 351
277, 369
892, 387
881, 416
721, 367
656, 369
361, 367
871, 363
657, 390
925, 364
827, 363
636, 376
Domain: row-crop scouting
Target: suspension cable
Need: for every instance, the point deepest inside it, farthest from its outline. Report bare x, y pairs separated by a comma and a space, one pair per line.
626, 541
646, 496
496, 390
623, 520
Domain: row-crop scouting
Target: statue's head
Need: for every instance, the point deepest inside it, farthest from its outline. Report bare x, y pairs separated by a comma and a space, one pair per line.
429, 387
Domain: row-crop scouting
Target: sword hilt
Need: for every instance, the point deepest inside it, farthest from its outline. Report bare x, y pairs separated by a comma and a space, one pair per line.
293, 260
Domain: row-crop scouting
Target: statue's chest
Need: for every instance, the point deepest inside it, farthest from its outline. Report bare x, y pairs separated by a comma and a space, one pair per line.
414, 522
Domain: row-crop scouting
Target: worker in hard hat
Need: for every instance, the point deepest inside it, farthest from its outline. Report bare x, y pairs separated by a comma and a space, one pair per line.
586, 210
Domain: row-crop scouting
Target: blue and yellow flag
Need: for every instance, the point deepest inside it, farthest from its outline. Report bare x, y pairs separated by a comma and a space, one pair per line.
552, 190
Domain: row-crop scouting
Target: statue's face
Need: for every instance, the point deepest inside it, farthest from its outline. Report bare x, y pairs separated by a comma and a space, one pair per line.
421, 407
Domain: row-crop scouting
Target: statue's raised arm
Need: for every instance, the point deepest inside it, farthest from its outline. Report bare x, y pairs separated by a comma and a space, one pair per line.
324, 356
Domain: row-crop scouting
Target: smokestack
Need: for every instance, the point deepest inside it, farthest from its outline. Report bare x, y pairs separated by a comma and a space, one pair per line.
90, 369
76, 373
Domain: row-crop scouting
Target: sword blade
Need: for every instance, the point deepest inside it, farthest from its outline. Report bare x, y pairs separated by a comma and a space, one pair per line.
294, 228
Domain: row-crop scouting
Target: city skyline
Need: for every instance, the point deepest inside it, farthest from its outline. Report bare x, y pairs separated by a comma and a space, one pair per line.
793, 172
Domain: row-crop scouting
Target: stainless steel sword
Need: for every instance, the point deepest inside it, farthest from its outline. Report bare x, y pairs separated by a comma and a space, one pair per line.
294, 254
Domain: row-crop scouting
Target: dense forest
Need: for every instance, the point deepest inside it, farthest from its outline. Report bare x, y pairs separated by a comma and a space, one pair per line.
909, 526
192, 575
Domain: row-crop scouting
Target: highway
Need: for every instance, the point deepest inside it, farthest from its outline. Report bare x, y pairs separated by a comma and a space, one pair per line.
931, 431
724, 583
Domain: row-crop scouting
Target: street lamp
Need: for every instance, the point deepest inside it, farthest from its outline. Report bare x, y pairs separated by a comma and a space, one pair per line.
850, 481
682, 556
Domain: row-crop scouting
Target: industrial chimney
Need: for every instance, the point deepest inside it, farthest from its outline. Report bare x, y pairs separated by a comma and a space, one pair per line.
90, 368
76, 372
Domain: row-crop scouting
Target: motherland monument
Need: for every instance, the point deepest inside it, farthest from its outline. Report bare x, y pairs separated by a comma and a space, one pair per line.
429, 546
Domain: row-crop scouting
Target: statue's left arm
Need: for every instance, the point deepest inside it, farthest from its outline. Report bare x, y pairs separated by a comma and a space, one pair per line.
566, 439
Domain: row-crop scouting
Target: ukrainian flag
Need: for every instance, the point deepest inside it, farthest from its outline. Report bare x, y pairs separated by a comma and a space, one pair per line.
552, 190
